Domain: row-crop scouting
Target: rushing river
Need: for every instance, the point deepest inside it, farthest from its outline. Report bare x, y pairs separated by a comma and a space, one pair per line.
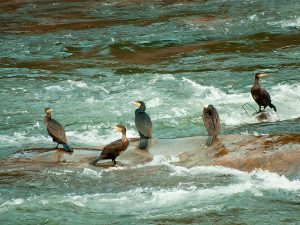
89, 60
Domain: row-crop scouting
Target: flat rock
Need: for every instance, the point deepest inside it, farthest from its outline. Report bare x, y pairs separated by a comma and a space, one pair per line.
277, 153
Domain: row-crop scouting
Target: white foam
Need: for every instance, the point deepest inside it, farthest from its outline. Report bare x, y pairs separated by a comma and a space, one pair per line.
295, 23
236, 117
93, 136
207, 208
92, 100
80, 84
18, 138
11, 203
93, 173
229, 105
16, 201
180, 170
153, 198
55, 88
179, 112
284, 97
163, 77
267, 180
211, 94
161, 160
253, 17
61, 172
36, 125
87, 172
78, 200
103, 89
155, 102
259, 179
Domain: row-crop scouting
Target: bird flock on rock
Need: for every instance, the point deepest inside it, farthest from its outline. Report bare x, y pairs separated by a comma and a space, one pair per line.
143, 124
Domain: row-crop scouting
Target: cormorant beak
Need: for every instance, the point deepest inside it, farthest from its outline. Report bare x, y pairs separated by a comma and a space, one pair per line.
50, 110
118, 129
137, 104
262, 75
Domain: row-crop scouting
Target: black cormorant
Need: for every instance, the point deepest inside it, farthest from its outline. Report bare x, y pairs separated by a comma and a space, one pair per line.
261, 96
56, 130
114, 149
143, 124
211, 122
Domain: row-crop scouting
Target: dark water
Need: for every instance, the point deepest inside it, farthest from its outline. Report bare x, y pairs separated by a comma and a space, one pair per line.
89, 60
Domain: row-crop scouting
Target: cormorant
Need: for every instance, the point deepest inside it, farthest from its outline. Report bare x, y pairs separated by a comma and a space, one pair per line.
114, 149
211, 122
261, 96
143, 124
56, 130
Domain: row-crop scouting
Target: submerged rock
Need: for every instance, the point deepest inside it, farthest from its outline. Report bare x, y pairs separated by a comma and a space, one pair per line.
263, 116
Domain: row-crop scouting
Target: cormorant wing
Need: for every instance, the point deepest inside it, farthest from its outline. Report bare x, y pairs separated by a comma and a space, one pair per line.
112, 147
209, 123
143, 124
215, 118
57, 131
266, 95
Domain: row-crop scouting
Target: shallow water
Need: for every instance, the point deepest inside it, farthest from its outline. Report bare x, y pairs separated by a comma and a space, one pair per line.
90, 60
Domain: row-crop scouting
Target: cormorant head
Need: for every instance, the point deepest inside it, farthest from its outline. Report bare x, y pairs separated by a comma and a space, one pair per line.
260, 75
140, 104
48, 110
208, 109
120, 128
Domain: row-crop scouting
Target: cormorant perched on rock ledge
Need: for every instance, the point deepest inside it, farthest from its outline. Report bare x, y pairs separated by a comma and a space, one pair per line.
114, 149
261, 96
56, 130
211, 122
143, 124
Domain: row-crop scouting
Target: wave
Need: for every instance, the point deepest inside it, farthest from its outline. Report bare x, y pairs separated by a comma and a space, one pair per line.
80, 84
157, 198
57, 88
16, 201
295, 23
19, 138
258, 179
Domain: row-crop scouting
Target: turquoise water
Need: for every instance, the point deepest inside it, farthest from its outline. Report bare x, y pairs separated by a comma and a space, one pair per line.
90, 60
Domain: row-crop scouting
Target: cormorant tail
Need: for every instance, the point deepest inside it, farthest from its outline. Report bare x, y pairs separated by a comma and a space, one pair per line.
143, 143
210, 140
273, 107
94, 162
67, 147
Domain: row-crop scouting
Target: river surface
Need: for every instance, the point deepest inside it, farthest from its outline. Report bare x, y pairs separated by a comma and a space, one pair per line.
89, 60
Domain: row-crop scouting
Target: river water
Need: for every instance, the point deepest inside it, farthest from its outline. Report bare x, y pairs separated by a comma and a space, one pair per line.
89, 60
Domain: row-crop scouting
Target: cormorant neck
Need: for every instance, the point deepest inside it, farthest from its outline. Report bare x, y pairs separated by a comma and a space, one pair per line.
256, 81
47, 117
124, 138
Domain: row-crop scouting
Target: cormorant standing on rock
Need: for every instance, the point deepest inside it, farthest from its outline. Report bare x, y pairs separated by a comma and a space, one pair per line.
211, 122
114, 149
143, 124
261, 96
56, 130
